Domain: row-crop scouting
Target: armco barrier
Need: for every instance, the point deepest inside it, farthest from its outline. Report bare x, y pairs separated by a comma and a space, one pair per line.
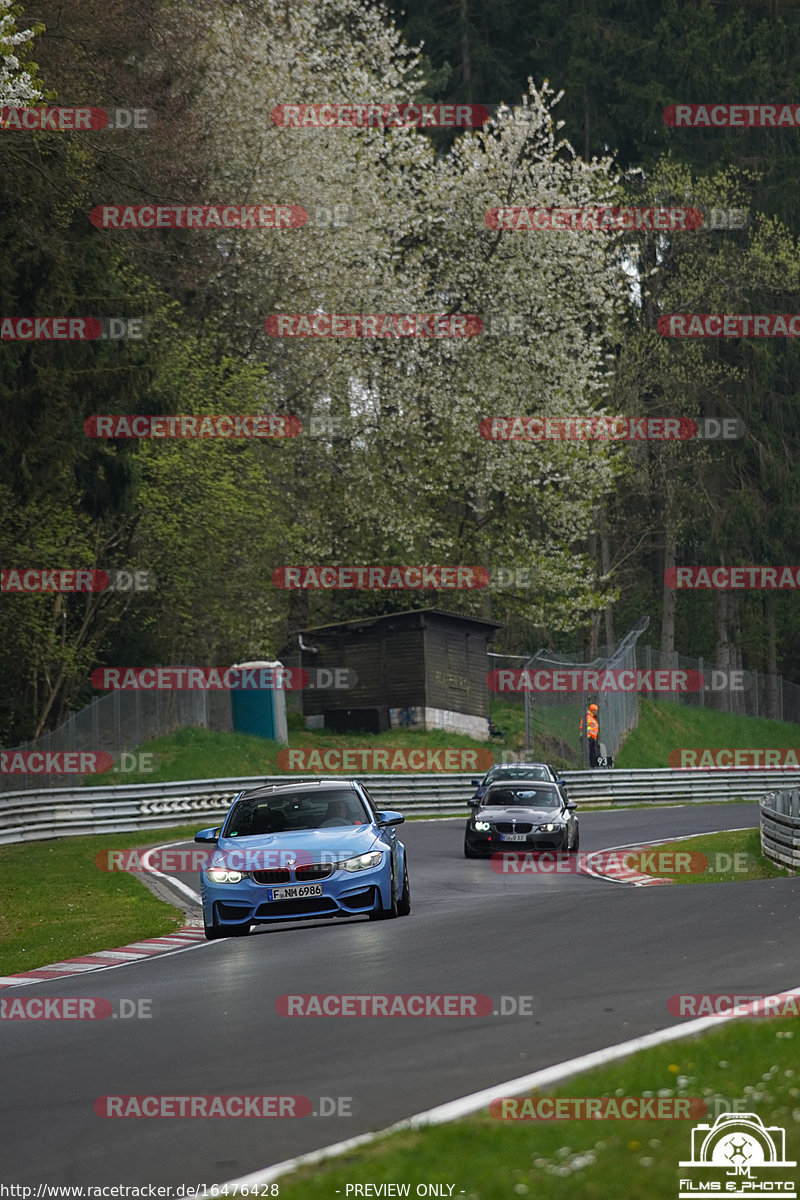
61, 812
780, 827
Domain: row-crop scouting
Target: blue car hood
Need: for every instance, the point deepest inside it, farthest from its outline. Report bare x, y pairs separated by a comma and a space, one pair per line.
319, 845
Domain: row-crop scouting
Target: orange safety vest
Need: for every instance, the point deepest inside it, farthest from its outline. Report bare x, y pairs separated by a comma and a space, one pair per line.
592, 726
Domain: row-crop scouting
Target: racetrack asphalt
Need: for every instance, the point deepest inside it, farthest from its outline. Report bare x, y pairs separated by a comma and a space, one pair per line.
598, 961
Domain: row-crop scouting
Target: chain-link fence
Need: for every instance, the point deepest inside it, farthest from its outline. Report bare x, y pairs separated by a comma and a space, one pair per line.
553, 717
116, 724
727, 689
119, 722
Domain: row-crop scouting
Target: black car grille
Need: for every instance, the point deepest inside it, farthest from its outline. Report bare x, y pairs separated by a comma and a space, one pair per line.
278, 875
520, 827
313, 871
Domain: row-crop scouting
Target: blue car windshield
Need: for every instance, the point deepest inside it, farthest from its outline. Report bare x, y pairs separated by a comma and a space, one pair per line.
324, 809
506, 797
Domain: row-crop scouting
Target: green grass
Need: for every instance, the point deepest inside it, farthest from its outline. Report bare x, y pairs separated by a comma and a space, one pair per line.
491, 1159
733, 856
664, 727
57, 904
208, 754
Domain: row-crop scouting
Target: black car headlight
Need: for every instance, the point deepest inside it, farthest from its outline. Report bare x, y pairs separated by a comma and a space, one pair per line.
550, 827
482, 826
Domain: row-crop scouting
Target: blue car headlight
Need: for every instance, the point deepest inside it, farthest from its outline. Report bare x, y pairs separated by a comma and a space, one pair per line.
362, 862
223, 875
483, 826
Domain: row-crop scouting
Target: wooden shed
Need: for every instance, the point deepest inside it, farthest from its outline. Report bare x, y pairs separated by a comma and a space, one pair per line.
425, 669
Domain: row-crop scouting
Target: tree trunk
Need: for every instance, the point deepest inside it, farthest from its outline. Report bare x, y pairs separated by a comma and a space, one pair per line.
771, 702
605, 568
738, 698
721, 646
466, 61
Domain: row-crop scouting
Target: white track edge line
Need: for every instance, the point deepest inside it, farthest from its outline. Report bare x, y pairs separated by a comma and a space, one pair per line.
178, 884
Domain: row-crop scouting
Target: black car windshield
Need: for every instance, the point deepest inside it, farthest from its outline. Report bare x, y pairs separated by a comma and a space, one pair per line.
324, 809
516, 771
536, 797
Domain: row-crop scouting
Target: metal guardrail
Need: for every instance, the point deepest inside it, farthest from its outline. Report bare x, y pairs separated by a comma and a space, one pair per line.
780, 827
64, 812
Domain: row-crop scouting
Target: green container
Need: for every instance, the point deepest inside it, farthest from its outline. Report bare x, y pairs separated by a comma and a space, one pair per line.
259, 710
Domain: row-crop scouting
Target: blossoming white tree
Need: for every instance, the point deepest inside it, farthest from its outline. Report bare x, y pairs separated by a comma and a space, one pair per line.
18, 82
414, 240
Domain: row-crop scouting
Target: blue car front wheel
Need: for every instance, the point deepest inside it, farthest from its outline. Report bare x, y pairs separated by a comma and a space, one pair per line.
404, 903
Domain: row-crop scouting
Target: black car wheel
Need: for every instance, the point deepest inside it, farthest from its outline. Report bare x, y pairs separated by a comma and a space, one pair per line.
574, 847
385, 914
404, 903
469, 852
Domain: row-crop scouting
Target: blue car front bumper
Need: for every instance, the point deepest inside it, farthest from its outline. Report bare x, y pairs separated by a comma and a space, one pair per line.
343, 894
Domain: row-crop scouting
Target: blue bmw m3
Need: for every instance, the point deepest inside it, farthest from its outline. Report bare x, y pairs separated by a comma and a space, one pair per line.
303, 850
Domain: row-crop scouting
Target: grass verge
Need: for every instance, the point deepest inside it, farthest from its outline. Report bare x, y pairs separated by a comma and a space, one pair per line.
664, 727
209, 754
732, 856
58, 904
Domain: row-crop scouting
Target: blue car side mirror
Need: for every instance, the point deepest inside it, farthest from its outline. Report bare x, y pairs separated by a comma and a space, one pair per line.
388, 818
208, 835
